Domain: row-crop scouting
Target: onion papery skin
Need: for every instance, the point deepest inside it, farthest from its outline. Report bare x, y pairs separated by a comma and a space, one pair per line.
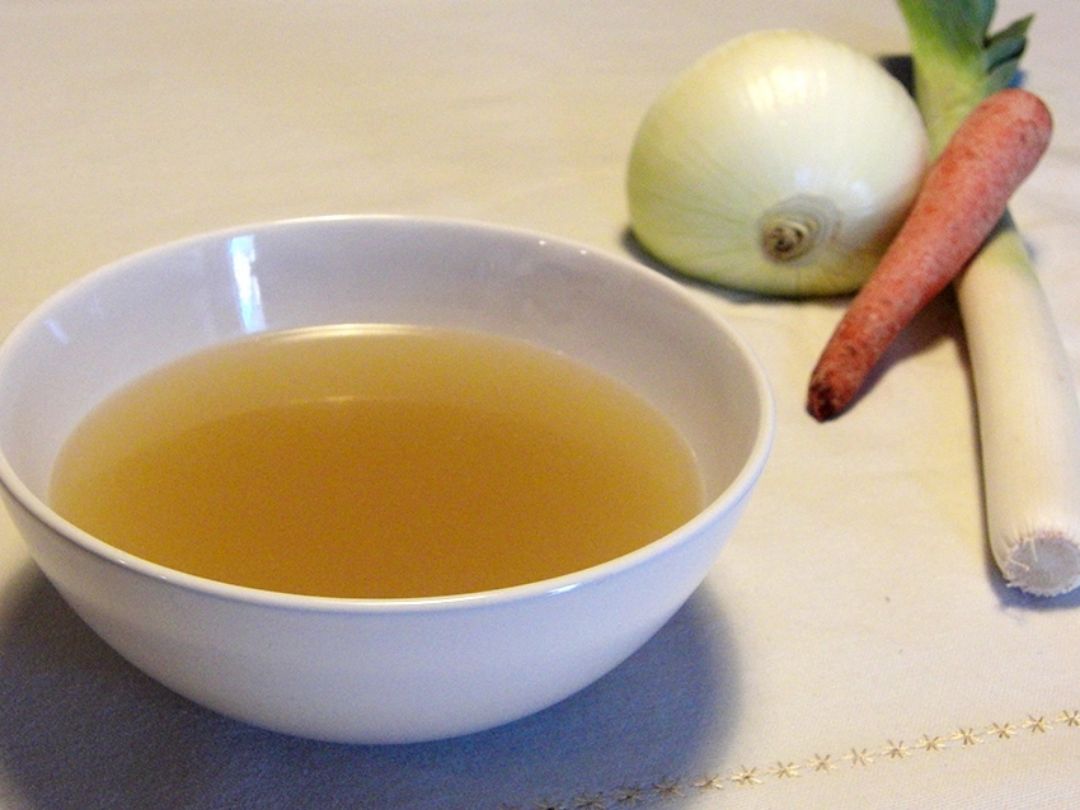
777, 126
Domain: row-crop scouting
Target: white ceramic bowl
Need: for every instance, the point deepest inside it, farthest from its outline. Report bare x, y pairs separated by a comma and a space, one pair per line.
369, 670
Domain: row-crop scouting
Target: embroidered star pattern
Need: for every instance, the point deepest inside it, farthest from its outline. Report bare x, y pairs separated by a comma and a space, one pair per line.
1070, 718
591, 801
668, 789
673, 788
859, 757
896, 750
785, 770
966, 737
928, 743
823, 763
710, 783
1003, 731
1036, 725
746, 776
629, 796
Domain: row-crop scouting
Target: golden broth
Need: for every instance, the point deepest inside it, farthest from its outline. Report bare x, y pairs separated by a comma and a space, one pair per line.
376, 462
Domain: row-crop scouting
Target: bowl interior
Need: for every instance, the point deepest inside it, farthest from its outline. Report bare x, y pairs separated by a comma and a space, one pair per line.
146, 310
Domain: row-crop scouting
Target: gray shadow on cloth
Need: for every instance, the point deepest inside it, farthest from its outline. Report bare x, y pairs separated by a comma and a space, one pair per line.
81, 728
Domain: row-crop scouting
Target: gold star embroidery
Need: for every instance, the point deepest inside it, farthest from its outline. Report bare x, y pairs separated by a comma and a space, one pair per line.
746, 776
592, 801
822, 763
785, 771
710, 783
668, 789
927, 743
896, 750
1037, 725
857, 757
1070, 718
1003, 731
629, 795
966, 737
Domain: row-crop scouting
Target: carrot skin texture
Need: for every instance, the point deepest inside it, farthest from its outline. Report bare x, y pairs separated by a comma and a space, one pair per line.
963, 196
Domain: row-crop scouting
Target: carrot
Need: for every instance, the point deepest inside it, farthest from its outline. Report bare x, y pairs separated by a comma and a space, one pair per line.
963, 196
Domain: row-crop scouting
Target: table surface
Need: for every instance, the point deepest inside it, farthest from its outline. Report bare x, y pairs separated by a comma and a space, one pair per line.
853, 646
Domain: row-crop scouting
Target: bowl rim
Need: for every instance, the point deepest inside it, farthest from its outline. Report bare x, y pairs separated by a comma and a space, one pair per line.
736, 490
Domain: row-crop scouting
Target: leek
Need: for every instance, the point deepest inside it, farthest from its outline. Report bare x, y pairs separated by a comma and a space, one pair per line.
1029, 416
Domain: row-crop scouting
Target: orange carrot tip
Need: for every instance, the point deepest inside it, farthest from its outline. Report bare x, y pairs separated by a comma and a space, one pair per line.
963, 196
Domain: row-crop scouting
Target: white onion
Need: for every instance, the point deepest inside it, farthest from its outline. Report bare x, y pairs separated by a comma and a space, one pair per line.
782, 162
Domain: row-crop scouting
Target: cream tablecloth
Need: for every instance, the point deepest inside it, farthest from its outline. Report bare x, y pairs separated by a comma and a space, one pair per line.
852, 648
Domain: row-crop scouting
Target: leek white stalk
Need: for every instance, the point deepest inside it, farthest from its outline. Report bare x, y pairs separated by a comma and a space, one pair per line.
1029, 417
782, 162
